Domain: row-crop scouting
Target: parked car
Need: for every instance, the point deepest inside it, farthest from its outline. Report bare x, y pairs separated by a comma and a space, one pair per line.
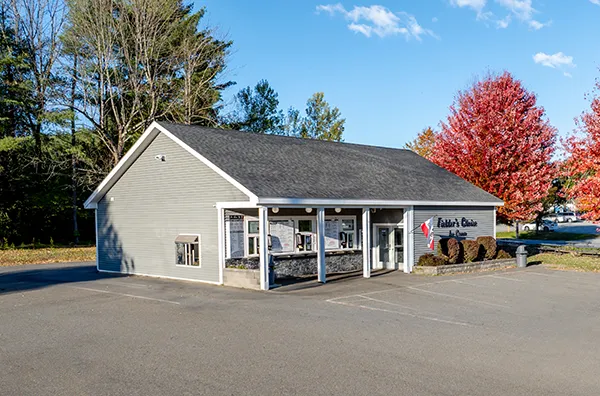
546, 225
563, 217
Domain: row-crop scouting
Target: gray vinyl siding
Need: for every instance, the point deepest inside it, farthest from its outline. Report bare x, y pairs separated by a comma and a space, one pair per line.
484, 216
153, 202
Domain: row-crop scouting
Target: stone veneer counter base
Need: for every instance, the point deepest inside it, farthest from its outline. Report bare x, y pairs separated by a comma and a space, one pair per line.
464, 268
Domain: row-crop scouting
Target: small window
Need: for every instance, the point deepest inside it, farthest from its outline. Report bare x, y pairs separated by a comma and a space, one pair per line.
304, 236
187, 250
305, 225
253, 238
348, 231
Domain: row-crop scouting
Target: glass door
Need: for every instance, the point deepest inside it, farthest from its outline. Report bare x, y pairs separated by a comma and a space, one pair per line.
389, 247
383, 237
398, 247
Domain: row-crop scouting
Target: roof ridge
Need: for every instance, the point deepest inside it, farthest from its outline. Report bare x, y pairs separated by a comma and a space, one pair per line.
273, 136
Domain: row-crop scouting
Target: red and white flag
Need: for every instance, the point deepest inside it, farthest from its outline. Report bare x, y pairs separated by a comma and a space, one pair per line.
427, 228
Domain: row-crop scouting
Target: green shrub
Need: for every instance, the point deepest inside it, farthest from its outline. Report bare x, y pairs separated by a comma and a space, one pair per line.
501, 255
430, 260
450, 248
489, 246
471, 250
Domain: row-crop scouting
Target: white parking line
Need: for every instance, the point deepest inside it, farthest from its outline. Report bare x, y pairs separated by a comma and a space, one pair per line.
459, 298
124, 295
403, 306
405, 314
467, 283
506, 278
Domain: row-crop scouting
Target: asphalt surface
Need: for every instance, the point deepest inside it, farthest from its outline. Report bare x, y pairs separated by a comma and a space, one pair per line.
65, 330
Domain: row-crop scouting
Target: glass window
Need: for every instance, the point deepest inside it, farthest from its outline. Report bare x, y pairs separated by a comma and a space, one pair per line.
253, 227
347, 224
187, 250
253, 237
304, 225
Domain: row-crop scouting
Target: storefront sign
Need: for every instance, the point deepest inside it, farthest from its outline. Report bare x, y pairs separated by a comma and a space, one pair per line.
455, 223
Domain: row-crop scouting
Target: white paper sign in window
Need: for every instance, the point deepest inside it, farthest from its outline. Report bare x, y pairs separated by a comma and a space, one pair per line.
282, 236
332, 232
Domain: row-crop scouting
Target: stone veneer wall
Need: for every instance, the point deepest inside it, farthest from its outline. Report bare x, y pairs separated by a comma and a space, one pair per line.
304, 265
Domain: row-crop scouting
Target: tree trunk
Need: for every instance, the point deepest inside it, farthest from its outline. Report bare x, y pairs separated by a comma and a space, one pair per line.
516, 229
73, 155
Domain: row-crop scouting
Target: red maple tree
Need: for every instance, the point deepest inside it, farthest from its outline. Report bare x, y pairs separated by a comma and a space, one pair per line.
497, 138
583, 163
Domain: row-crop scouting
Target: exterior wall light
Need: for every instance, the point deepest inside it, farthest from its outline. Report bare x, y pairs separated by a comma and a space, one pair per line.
308, 210
338, 210
275, 210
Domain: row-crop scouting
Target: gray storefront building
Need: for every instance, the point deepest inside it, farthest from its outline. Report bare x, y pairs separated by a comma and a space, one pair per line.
186, 202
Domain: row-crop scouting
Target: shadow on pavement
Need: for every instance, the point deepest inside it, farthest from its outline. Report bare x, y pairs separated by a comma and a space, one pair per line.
31, 279
310, 282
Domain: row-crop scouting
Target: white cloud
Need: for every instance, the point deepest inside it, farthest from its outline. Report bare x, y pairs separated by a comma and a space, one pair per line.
503, 23
524, 11
378, 20
521, 10
556, 61
597, 2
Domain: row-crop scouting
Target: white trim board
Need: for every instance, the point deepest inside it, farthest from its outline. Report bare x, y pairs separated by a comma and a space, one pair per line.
360, 203
138, 148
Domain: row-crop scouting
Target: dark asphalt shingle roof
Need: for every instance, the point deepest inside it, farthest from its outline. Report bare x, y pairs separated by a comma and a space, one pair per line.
284, 167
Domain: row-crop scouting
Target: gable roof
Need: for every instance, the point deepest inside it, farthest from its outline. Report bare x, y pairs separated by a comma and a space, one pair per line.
286, 167
274, 169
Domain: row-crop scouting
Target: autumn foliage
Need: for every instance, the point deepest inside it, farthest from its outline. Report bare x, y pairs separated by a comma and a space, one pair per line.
423, 143
583, 164
497, 138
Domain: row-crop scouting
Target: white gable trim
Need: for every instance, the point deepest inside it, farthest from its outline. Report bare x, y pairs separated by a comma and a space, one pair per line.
142, 143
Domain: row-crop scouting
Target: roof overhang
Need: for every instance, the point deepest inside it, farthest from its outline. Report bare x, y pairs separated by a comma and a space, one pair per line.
359, 203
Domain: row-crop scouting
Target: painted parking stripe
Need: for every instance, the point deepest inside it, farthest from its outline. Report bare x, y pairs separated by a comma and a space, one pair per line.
406, 307
458, 297
506, 278
125, 295
404, 314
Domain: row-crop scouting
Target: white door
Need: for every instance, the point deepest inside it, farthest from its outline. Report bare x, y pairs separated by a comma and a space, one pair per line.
389, 247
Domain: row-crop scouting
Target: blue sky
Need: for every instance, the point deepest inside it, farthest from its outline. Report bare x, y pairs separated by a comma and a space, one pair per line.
394, 67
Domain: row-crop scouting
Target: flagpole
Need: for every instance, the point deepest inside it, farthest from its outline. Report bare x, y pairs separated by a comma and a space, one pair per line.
419, 226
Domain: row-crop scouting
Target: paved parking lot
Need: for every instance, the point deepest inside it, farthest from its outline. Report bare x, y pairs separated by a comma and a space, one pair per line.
66, 330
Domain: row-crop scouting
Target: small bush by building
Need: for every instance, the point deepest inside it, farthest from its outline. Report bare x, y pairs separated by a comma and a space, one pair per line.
488, 247
450, 247
431, 260
471, 250
501, 255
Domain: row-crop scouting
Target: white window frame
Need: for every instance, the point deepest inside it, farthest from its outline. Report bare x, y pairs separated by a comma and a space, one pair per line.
248, 235
339, 218
186, 251
313, 233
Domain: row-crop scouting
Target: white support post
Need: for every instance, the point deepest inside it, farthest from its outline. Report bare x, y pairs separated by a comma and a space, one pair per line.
366, 242
263, 223
220, 242
97, 235
495, 209
411, 237
321, 269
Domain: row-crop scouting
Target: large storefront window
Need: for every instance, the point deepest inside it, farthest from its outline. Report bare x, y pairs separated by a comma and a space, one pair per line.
290, 235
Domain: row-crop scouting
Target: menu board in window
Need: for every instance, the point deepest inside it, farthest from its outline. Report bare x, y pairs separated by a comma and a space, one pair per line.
332, 233
282, 236
234, 226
